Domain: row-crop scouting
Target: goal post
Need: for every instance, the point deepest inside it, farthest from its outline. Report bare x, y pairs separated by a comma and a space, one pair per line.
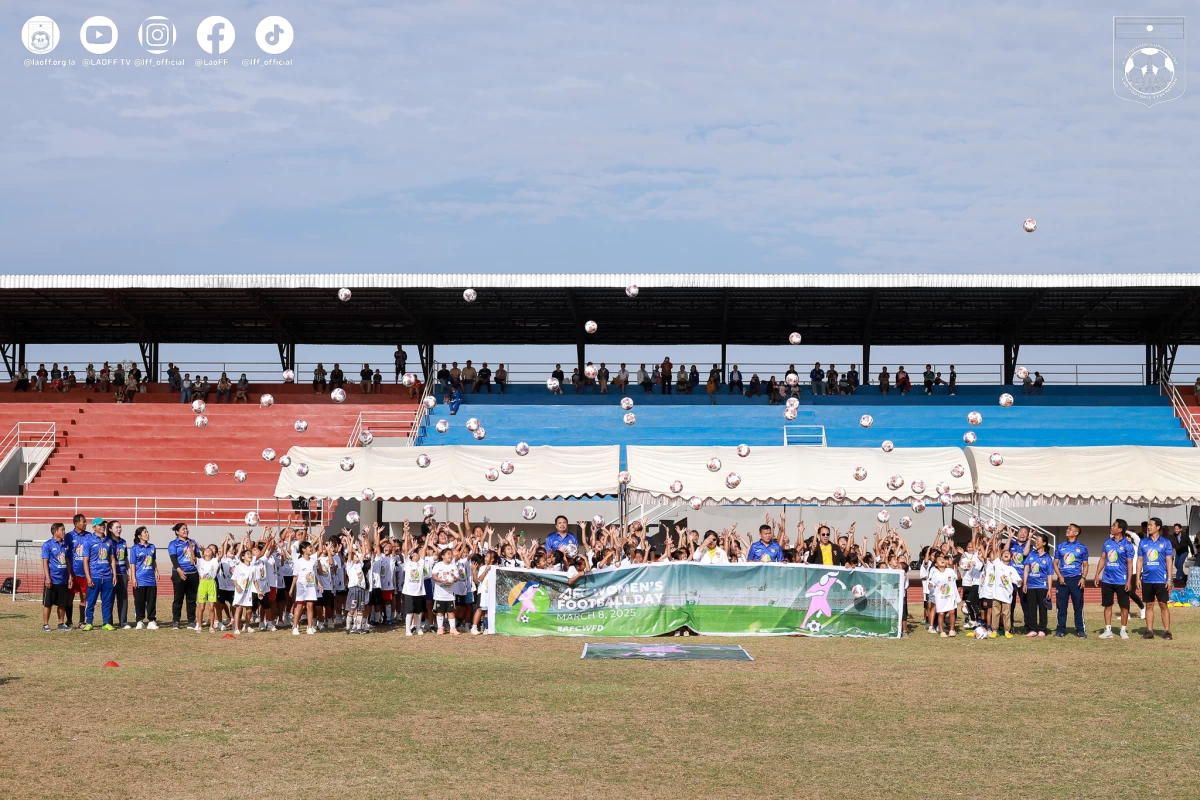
25, 583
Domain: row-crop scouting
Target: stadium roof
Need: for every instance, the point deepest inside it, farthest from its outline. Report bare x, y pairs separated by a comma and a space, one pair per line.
671, 308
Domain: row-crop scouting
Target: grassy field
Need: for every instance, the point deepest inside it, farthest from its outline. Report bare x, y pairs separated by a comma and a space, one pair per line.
195, 715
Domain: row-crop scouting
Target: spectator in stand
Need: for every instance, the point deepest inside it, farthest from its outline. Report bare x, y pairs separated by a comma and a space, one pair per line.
364, 379
885, 381
104, 384
337, 378
224, 387
401, 359
927, 378
120, 394
136, 384
774, 396
816, 379
682, 384
185, 388
455, 373
202, 389
712, 386
644, 380
320, 385
501, 377
416, 389
173, 379
377, 381
903, 384
118, 377
666, 372
576, 380
852, 377
483, 379
242, 391
953, 384
621, 381
735, 381
557, 374
1027, 384
714, 374
1183, 548
831, 380
755, 387
42, 375
468, 376
55, 378
442, 379
1038, 380
22, 383
693, 379
67, 377
90, 376
655, 378
602, 378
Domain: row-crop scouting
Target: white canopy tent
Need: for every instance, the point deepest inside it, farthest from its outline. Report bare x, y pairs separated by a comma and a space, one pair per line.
791, 475
1035, 476
455, 473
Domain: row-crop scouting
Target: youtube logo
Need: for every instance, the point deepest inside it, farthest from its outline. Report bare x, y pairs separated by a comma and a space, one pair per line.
98, 35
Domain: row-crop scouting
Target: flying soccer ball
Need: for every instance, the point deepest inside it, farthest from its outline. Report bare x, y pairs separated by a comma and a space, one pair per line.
442, 425
507, 467
427, 511
590, 371
743, 450
251, 518
211, 469
201, 421
991, 525
887, 446
409, 379
240, 476
590, 326
301, 426
839, 494
629, 418
198, 406
266, 401
793, 402
860, 473
627, 403
346, 464
714, 464
528, 512
472, 424
789, 414
368, 495
948, 530
896, 481
492, 474
289, 376
995, 459
430, 402
623, 477
301, 469
1006, 400
598, 521
858, 591
906, 522
732, 480
1022, 373
918, 486
1030, 225
792, 379
794, 338
338, 395
969, 437
866, 420
696, 503
631, 290
945, 498
479, 434
918, 506
522, 449
469, 295
365, 438
352, 517
958, 470
285, 461
974, 418
883, 516
942, 488
343, 295
974, 522
676, 487
423, 461
552, 384
268, 454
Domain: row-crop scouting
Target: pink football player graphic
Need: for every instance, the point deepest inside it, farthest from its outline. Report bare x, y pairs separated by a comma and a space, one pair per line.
818, 592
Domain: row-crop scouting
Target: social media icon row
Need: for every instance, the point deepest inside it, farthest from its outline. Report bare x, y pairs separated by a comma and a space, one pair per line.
157, 35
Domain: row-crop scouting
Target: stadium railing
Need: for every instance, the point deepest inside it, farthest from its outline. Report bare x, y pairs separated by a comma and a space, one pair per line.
805, 435
1182, 410
35, 441
1004, 516
229, 511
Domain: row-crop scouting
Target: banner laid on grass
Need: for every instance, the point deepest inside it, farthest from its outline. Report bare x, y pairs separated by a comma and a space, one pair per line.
665, 652
721, 600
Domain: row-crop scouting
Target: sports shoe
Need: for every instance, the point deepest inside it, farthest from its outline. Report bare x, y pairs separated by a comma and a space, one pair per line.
1081, 634
126, 627
174, 626
64, 627
46, 628
408, 632
1007, 635
151, 625
221, 626
1167, 635
198, 628
1060, 634
311, 631
1148, 635
87, 627
475, 631
1142, 613
420, 631
1124, 633
236, 632
993, 635
107, 627
942, 634
932, 629
953, 632
248, 629
141, 626
1108, 634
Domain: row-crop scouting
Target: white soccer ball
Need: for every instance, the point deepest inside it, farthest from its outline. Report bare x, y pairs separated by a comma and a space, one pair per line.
198, 406
887, 446
1006, 400
365, 438
352, 517
239, 475
252, 518
429, 402
285, 460
980, 632
268, 454
629, 418
343, 294
211, 469
696, 503
991, 525
858, 591
676, 487
346, 464
918, 506
423, 461
427, 511
201, 421
522, 449
442, 425
472, 424
469, 295
945, 499
732, 480
409, 379
969, 437
338, 395
996, 459
301, 426
1022, 373
714, 464
794, 338
479, 434
368, 495
598, 521
860, 473
866, 420
906, 522
896, 481
958, 470
631, 290
492, 473
266, 401
918, 486
627, 403
793, 402
1030, 225
590, 326
302, 469
743, 450
552, 384
839, 494
941, 488
590, 371
974, 418
974, 522
507, 467
789, 414
528, 512
883, 516
947, 530
792, 379
289, 376
623, 477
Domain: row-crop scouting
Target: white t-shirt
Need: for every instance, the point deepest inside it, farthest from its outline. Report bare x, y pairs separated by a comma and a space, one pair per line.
987, 584
943, 586
339, 573
288, 559
1007, 578
415, 573
926, 568
387, 573
485, 585
243, 577
972, 569
324, 574
261, 577
354, 575
444, 572
277, 566
225, 569
715, 556
207, 567
305, 570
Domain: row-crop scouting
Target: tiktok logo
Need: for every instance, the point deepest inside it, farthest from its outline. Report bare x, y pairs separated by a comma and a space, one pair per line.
274, 35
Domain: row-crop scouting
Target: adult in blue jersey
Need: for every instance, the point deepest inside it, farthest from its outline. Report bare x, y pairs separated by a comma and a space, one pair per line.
1157, 562
56, 573
184, 553
1071, 570
77, 540
100, 567
1020, 547
121, 577
1039, 572
1115, 576
766, 548
561, 536
143, 557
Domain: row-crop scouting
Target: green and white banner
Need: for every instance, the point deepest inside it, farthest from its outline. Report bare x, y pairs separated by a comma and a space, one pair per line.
720, 600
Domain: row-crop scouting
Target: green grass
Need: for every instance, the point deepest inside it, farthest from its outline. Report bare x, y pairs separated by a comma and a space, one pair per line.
196, 715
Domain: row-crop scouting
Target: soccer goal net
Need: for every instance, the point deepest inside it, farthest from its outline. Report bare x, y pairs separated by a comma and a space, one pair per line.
25, 582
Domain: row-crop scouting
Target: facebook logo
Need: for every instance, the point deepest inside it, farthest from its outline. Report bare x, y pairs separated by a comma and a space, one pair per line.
215, 35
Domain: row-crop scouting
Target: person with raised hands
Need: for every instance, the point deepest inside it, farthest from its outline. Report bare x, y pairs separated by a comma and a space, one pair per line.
356, 584
710, 551
304, 591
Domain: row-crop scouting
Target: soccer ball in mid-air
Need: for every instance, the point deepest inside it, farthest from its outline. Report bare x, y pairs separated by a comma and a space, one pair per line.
714, 464
732, 480
627, 403
858, 591
974, 418
589, 371
268, 454
887, 446
469, 295
1022, 373
866, 420
958, 470
338, 395
794, 338
352, 517
252, 518
996, 459
346, 464
860, 473
969, 437
343, 295
552, 384
1006, 400
442, 425
301, 426
1030, 225
590, 326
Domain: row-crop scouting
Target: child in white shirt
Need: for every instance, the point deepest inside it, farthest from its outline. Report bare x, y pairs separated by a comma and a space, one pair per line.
243, 592
1006, 580
943, 586
416, 570
445, 575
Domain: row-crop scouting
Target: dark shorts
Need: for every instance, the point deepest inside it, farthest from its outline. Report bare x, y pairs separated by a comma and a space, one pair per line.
325, 600
429, 589
1107, 590
443, 606
414, 604
376, 597
342, 592
1155, 592
225, 596
463, 600
985, 602
56, 595
256, 602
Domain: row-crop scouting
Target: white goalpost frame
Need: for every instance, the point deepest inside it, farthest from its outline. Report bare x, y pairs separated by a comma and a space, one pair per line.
36, 544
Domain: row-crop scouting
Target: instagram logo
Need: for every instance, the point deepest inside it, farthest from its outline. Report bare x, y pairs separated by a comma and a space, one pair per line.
156, 35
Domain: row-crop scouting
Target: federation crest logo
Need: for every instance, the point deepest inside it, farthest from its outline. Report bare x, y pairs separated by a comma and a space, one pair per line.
1149, 59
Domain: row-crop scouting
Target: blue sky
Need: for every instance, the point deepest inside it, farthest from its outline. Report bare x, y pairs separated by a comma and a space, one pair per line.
633, 136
